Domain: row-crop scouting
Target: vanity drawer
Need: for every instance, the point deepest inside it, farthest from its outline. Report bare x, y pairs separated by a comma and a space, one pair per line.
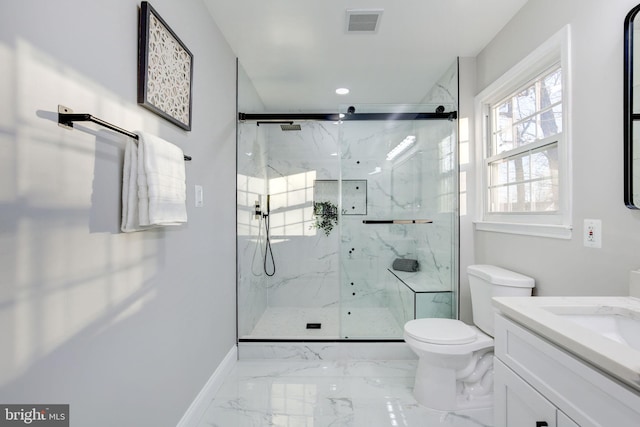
519, 404
585, 394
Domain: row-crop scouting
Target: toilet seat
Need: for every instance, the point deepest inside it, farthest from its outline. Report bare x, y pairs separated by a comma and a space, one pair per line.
482, 341
440, 331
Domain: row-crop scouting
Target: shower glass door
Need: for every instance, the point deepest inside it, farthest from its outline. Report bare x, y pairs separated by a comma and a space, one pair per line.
398, 254
346, 229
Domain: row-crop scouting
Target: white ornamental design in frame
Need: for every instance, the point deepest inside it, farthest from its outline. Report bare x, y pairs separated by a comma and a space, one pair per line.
165, 69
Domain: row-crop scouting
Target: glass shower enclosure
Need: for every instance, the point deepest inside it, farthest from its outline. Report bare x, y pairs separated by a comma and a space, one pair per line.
347, 223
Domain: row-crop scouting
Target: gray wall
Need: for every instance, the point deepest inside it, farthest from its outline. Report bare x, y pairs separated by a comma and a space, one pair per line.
126, 328
566, 267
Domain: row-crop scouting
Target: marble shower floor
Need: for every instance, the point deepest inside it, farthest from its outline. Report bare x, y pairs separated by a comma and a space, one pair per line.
320, 393
290, 323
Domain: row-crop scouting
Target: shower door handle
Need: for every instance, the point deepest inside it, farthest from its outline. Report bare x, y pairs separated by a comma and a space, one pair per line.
397, 221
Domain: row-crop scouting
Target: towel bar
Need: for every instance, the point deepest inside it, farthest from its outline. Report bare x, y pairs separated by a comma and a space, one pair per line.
66, 117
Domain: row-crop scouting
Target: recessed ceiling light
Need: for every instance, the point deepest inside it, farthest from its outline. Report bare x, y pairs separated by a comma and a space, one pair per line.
342, 91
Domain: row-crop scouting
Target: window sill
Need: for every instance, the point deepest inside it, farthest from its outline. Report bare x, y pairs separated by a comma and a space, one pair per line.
539, 230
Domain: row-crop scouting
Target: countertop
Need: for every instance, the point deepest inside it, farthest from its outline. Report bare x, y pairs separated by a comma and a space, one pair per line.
538, 314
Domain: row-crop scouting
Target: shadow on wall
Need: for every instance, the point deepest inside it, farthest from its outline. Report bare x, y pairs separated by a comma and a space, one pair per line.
106, 197
82, 369
73, 287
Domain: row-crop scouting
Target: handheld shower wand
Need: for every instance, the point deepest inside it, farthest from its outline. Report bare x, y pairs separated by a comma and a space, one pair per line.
268, 251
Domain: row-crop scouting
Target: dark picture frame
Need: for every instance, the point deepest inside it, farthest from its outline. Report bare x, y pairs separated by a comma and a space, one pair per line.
165, 69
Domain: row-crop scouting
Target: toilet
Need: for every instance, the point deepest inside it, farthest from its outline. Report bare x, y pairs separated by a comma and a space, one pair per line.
455, 360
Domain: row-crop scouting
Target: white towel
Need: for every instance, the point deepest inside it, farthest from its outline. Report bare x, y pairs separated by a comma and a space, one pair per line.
130, 217
153, 187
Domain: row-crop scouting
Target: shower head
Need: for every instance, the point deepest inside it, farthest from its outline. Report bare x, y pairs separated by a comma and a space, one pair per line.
289, 127
285, 126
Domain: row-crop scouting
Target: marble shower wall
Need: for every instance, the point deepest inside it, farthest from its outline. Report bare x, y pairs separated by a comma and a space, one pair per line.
418, 184
285, 164
306, 259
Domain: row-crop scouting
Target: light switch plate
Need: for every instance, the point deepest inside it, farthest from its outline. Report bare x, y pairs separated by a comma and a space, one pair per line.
199, 196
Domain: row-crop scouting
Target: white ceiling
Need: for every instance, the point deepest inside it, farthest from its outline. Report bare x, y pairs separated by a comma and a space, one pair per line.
297, 52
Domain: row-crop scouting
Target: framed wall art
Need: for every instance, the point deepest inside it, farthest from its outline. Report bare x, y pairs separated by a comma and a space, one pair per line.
165, 69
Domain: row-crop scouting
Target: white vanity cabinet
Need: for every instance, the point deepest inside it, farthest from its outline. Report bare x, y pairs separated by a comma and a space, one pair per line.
539, 384
519, 404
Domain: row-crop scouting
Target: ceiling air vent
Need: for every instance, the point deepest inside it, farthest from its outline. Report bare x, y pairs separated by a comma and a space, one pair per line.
363, 21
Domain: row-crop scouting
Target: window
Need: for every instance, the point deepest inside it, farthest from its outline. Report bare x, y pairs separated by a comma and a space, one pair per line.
522, 165
524, 169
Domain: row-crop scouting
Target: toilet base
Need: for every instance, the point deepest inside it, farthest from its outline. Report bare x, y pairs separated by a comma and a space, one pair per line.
447, 389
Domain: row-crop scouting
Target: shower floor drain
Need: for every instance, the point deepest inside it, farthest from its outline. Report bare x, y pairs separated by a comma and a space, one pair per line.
314, 325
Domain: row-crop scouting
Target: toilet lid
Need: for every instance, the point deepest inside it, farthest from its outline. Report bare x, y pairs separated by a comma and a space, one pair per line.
440, 331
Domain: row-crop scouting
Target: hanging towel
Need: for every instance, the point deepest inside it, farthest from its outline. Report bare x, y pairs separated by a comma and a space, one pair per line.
130, 217
154, 188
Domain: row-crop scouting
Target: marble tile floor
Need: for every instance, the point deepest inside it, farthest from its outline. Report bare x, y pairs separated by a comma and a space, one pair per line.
321, 393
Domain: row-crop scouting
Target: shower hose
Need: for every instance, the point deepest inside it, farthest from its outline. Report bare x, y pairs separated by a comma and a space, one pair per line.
268, 253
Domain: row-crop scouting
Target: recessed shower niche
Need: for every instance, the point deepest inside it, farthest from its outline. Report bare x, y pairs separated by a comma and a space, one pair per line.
349, 195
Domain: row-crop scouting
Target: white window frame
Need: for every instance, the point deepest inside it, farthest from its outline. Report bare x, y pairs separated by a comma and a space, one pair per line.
558, 224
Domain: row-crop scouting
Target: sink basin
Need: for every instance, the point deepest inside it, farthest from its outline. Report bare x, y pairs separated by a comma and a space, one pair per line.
617, 327
603, 331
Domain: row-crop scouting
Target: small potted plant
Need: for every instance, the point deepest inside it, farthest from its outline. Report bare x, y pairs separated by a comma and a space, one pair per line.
326, 216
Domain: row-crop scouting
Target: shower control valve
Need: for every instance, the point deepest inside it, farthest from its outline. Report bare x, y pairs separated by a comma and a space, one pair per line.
257, 213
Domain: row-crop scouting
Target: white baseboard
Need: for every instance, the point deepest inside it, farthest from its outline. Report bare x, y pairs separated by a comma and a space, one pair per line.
200, 404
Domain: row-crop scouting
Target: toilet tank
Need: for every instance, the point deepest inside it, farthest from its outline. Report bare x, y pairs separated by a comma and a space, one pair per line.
488, 281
